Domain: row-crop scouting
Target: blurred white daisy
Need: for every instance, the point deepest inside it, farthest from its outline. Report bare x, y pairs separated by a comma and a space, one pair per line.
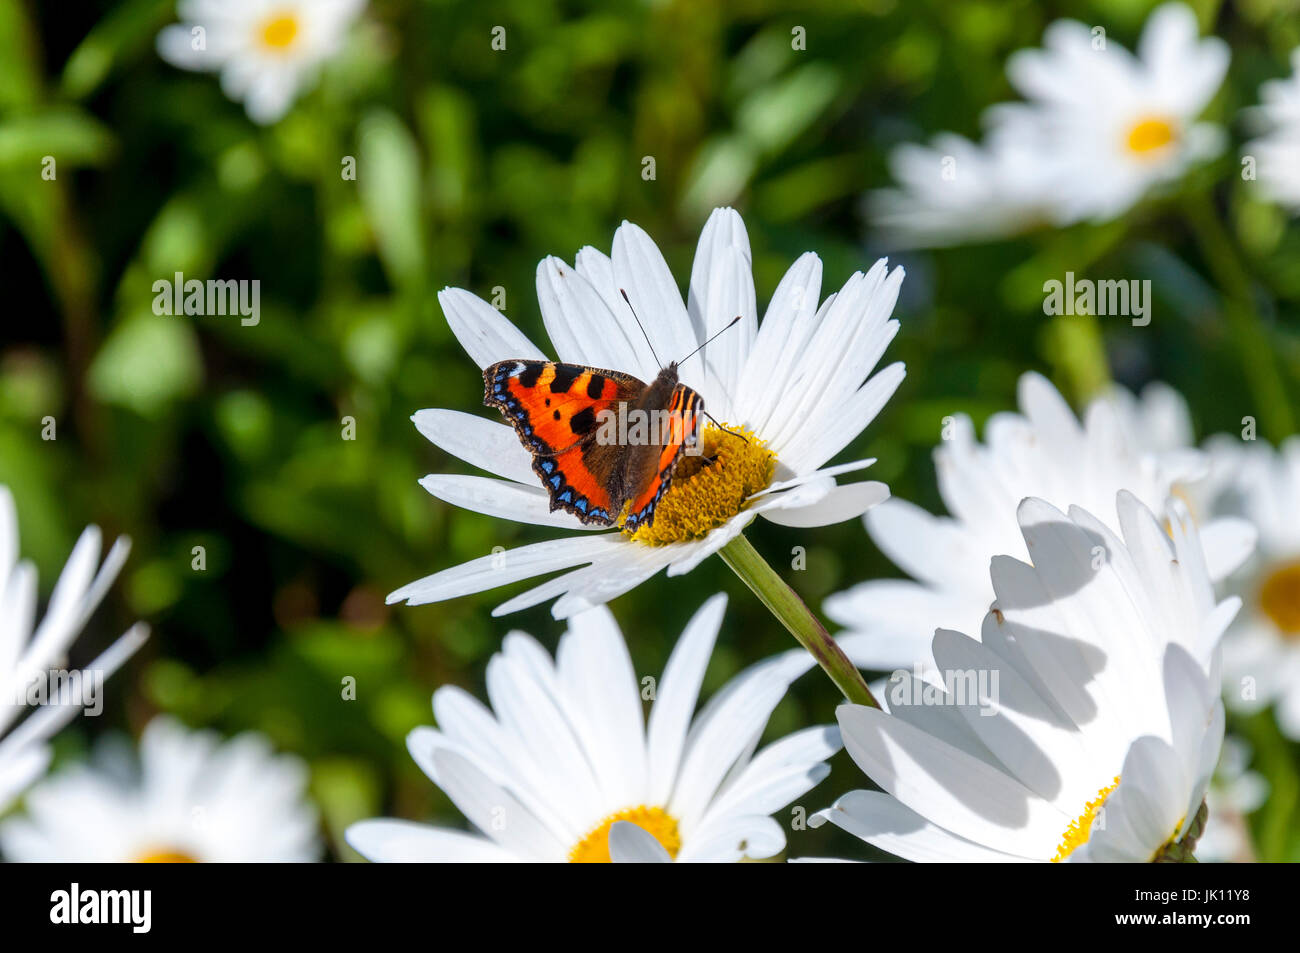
31, 654
1235, 792
566, 754
1083, 726
1261, 656
1098, 129
1123, 443
192, 799
955, 191
798, 386
1117, 124
1277, 151
267, 51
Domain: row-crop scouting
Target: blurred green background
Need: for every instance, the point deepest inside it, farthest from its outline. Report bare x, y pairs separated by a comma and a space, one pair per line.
472, 165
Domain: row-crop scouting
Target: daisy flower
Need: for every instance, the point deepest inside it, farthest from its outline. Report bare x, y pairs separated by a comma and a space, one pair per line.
1116, 124
1235, 792
955, 191
1277, 152
566, 755
1083, 726
267, 51
1043, 451
1098, 129
1261, 656
31, 653
789, 394
192, 799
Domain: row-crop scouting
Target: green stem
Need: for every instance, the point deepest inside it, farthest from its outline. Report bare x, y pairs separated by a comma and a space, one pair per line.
1254, 349
786, 605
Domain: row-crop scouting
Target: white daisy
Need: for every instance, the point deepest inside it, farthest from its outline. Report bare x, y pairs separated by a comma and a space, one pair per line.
566, 754
797, 386
1099, 129
1122, 444
1235, 792
955, 191
267, 51
1277, 152
1118, 124
30, 653
1261, 656
194, 799
1084, 725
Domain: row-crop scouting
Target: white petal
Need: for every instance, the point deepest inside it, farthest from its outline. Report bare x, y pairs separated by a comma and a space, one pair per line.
883, 822
483, 443
679, 689
504, 499
843, 503
603, 690
939, 781
387, 840
579, 322
641, 271
629, 844
484, 332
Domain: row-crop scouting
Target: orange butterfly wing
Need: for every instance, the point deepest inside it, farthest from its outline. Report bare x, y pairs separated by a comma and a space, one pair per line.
556, 410
683, 429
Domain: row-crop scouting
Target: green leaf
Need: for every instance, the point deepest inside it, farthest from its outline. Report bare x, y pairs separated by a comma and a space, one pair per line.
388, 177
147, 362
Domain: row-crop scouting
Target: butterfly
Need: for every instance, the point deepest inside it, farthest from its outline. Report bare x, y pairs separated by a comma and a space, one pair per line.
562, 414
581, 426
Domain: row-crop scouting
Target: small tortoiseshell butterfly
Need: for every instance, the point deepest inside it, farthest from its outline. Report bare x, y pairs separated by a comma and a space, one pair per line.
557, 410
561, 413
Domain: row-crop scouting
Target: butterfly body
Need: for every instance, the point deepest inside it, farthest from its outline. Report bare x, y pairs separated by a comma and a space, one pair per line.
572, 418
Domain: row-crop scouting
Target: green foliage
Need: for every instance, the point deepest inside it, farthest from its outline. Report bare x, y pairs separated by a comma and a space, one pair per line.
471, 165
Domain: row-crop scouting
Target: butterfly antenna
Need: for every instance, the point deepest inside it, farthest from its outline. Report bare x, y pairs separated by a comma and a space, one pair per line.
640, 325
731, 324
715, 419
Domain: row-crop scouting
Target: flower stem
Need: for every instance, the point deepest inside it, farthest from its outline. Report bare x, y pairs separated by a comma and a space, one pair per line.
790, 610
1254, 350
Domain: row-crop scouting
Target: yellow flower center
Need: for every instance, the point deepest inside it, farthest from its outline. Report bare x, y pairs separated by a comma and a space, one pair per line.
709, 489
165, 855
279, 31
655, 821
1080, 828
1279, 598
1150, 134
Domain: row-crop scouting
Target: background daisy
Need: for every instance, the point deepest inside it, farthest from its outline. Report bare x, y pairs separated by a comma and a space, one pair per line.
1044, 451
1261, 656
29, 651
565, 754
1277, 151
267, 51
1098, 128
193, 798
1099, 737
1119, 124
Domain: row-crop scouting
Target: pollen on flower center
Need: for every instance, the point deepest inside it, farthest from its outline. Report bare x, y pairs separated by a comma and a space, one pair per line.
1080, 828
709, 489
165, 855
655, 821
279, 31
1149, 134
1279, 598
